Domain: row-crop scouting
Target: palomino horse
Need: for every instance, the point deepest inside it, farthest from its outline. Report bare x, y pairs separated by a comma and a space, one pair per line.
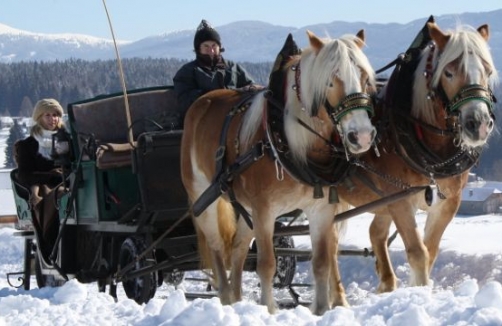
322, 115
437, 111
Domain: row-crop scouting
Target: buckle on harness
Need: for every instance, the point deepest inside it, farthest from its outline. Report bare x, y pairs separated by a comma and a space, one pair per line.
260, 150
220, 152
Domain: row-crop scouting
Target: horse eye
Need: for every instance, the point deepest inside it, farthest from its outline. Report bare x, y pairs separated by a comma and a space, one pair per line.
448, 74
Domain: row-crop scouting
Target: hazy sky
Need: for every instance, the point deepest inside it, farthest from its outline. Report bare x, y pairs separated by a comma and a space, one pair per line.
133, 20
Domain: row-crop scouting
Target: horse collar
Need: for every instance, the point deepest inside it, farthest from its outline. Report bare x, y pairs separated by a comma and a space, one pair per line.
296, 86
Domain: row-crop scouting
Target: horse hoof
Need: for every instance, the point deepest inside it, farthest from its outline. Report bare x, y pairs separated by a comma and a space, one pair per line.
383, 288
318, 311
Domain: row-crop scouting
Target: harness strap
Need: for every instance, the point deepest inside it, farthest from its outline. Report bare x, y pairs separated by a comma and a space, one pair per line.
222, 182
239, 208
222, 148
370, 184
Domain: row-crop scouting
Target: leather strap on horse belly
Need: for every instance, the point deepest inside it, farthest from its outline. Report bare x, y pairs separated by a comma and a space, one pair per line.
222, 183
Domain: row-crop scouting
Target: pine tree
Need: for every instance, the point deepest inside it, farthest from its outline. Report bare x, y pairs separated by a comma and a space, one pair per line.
16, 133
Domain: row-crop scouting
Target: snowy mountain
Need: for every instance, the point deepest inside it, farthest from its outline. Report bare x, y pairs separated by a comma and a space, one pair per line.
17, 45
251, 41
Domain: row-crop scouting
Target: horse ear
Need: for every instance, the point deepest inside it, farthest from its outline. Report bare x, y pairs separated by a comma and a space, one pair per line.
438, 36
315, 42
484, 31
360, 38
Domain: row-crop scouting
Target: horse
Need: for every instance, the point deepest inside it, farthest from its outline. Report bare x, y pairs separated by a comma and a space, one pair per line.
282, 145
436, 110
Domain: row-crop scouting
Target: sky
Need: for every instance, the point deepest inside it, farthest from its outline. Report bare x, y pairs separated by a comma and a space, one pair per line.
134, 20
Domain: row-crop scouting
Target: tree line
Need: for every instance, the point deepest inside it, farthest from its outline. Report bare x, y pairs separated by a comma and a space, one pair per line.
72, 80
23, 84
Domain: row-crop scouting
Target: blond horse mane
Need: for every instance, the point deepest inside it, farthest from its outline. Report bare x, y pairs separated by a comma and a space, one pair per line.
338, 56
464, 39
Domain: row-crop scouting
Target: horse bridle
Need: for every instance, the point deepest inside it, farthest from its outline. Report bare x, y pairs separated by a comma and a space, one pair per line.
354, 101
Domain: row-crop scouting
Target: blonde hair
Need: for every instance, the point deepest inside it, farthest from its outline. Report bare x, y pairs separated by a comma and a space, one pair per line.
46, 105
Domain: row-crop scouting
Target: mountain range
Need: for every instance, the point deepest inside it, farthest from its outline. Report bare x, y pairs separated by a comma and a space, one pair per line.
245, 41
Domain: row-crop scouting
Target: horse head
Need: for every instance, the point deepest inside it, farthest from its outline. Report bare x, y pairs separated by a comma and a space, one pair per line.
457, 72
329, 87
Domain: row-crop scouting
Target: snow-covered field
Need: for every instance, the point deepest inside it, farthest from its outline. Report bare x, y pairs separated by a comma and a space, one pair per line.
467, 290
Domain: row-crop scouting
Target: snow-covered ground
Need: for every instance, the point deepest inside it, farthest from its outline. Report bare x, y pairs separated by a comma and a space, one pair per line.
467, 289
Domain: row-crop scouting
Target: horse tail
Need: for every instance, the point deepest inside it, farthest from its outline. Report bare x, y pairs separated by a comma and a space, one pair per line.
227, 226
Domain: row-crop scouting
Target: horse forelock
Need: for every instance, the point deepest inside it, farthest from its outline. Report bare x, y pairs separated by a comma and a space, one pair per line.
338, 56
358, 57
464, 40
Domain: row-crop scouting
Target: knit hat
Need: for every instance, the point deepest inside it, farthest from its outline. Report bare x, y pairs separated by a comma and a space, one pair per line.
205, 32
46, 105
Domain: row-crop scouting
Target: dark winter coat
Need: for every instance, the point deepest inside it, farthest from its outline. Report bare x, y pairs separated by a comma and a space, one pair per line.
192, 81
33, 168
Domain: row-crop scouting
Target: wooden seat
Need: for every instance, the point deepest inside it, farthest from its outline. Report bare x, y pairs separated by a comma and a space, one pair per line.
111, 155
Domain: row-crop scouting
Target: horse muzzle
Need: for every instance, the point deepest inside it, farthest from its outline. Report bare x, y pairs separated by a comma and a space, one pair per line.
358, 141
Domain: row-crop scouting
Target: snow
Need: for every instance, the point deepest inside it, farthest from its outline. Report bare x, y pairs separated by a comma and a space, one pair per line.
466, 290
65, 37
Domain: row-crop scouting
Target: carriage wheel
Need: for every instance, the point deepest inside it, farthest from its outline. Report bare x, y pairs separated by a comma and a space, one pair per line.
142, 288
286, 265
44, 280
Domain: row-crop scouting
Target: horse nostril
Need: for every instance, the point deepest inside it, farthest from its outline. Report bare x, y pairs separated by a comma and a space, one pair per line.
490, 124
471, 125
352, 137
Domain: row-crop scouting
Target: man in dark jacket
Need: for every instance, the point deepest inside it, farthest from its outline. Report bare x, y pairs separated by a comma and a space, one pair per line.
209, 71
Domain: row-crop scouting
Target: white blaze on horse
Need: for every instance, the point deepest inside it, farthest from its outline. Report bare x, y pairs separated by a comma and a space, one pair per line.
273, 144
436, 128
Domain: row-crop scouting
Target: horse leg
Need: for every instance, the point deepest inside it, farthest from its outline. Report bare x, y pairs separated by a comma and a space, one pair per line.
240, 249
416, 252
336, 287
266, 263
324, 243
379, 233
224, 290
437, 221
